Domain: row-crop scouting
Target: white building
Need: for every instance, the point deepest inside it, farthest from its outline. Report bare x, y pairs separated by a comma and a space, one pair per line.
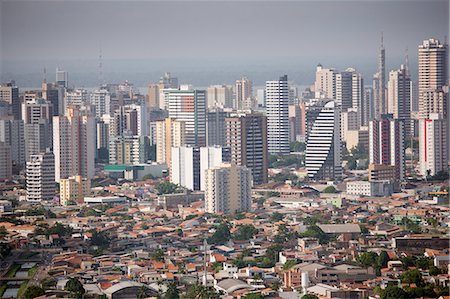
323, 145
373, 188
101, 99
77, 97
399, 95
209, 157
41, 177
74, 144
433, 144
185, 167
228, 189
277, 109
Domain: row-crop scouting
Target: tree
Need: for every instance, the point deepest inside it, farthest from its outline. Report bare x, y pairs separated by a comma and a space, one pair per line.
157, 255
434, 271
330, 189
172, 291
309, 296
297, 146
423, 263
393, 292
221, 236
367, 259
289, 264
273, 251
75, 287
100, 239
167, 187
245, 232
383, 259
412, 276
33, 292
198, 291
276, 216
252, 296
313, 231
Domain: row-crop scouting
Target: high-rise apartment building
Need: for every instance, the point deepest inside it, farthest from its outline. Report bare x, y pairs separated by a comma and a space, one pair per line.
399, 95
9, 94
169, 133
323, 144
325, 84
219, 96
379, 84
74, 144
386, 143
243, 91
189, 106
215, 127
12, 133
37, 116
210, 157
185, 167
54, 93
277, 107
433, 144
101, 99
76, 97
40, 177
433, 69
153, 96
62, 78
5, 161
128, 150
246, 136
228, 189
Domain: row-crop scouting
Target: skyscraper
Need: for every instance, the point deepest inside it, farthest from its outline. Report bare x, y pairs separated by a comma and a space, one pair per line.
41, 177
62, 78
210, 157
433, 69
433, 144
323, 144
74, 144
228, 189
37, 116
386, 143
5, 161
189, 106
12, 133
169, 133
9, 94
219, 96
101, 99
325, 84
246, 136
243, 94
399, 96
215, 127
185, 167
277, 107
379, 84
433, 105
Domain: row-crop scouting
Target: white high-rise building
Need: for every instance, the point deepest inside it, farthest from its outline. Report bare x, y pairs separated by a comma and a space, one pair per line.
325, 84
185, 167
62, 77
77, 97
228, 189
277, 107
41, 177
323, 144
433, 144
189, 106
101, 99
210, 157
433, 75
74, 144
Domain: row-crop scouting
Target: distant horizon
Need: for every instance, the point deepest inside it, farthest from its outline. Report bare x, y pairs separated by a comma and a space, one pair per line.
213, 42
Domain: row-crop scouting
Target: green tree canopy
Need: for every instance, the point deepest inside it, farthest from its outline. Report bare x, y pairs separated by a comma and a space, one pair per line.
245, 232
412, 276
393, 292
309, 296
172, 291
75, 287
221, 236
330, 189
167, 187
33, 292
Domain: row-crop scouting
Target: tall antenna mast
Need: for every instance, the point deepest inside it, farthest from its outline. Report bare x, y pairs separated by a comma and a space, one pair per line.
205, 278
406, 61
382, 43
45, 75
100, 67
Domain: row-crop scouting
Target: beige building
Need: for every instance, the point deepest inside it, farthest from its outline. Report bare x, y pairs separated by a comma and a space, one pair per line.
153, 96
73, 190
380, 172
228, 189
169, 133
243, 94
5, 161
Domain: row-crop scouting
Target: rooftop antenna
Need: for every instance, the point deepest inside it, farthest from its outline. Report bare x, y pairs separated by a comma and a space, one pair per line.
100, 67
382, 42
406, 61
45, 75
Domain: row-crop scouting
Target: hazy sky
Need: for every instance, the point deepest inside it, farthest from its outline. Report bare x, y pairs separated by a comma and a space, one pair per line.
187, 34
